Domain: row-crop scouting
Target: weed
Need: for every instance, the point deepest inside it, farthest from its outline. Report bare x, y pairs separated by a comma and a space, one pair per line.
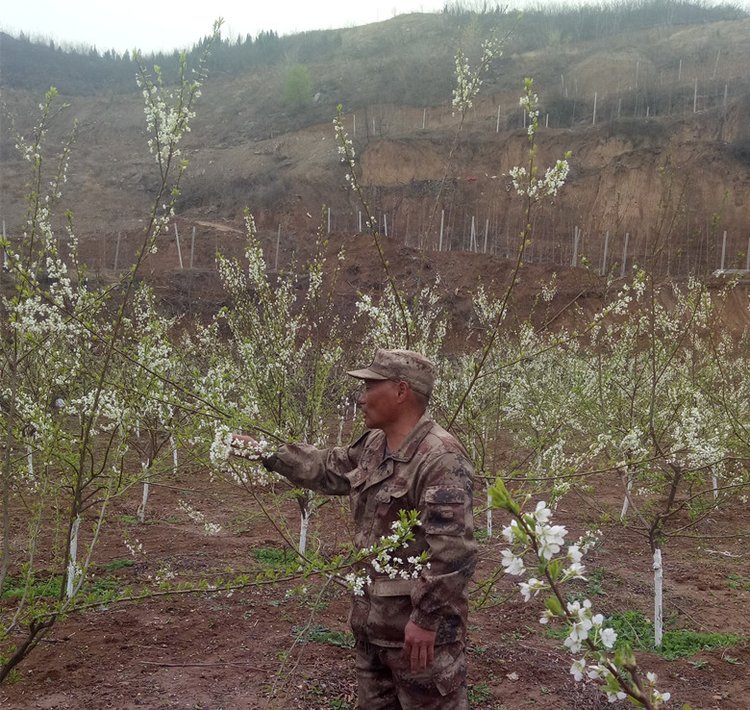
634, 627
737, 581
481, 535
128, 519
479, 693
117, 564
275, 557
322, 634
38, 588
594, 587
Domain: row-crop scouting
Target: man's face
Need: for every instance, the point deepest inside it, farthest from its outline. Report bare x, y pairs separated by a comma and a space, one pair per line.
380, 403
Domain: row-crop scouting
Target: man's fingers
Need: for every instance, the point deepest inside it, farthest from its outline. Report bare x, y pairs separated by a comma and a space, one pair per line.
414, 659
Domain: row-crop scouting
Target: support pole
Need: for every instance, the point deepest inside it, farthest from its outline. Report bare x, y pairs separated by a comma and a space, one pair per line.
278, 243
442, 225
723, 250
624, 255
329, 220
179, 250
695, 97
604, 257
192, 247
497, 123
117, 250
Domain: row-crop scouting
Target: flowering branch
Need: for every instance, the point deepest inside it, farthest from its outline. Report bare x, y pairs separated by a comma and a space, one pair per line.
616, 671
348, 155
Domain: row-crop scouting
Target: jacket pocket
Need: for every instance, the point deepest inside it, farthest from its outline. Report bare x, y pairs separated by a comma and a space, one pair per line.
445, 511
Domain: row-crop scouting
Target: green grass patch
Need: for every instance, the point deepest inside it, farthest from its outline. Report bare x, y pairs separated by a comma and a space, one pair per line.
117, 564
737, 581
479, 693
637, 630
48, 588
276, 557
322, 634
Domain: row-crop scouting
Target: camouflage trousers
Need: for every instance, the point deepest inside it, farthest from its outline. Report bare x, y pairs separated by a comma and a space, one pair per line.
386, 683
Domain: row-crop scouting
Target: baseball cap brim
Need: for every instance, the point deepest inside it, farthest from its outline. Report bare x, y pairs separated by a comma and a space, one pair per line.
366, 374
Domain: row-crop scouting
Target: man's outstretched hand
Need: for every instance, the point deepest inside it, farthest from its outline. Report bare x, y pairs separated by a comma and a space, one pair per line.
245, 446
419, 647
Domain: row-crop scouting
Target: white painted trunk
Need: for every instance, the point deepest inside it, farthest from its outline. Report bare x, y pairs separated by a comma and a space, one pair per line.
658, 599
626, 502
715, 481
72, 557
30, 461
144, 499
304, 524
489, 513
173, 444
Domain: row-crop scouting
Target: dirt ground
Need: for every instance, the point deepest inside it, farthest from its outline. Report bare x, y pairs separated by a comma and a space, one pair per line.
269, 646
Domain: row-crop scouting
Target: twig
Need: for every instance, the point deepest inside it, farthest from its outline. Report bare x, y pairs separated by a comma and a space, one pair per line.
204, 665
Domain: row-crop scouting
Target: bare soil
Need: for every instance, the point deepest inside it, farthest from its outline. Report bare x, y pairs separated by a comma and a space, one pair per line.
238, 649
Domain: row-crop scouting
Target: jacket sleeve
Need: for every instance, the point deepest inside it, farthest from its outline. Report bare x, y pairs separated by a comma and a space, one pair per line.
322, 470
446, 508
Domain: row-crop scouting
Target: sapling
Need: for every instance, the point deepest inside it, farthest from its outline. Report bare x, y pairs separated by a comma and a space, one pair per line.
61, 343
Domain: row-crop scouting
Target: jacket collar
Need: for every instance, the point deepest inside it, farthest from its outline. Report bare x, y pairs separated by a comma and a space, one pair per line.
411, 443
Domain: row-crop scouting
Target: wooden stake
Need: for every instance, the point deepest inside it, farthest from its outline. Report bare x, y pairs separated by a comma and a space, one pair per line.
117, 250
179, 251
497, 124
695, 97
604, 258
624, 255
442, 225
723, 249
278, 242
192, 247
593, 122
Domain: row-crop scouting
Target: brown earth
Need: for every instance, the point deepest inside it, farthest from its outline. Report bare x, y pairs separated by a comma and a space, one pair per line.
238, 649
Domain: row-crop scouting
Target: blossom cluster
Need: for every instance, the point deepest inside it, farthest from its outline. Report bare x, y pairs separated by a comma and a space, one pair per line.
527, 185
384, 561
469, 82
197, 517
533, 533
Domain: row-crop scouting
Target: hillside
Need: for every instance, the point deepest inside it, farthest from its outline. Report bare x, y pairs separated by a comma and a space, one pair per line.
665, 159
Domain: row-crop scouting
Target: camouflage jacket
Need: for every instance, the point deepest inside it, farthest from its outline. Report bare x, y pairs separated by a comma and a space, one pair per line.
429, 473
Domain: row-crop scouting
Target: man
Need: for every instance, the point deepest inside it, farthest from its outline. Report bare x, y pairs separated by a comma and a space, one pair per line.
410, 633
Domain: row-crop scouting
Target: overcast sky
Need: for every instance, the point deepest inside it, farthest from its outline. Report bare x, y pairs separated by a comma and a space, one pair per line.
151, 25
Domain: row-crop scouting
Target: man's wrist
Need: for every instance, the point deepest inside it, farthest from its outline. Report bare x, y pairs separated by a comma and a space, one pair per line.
430, 622
269, 461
